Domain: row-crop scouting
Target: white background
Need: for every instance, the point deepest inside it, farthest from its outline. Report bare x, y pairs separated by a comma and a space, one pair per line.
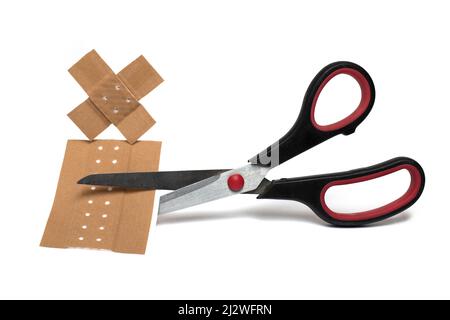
235, 74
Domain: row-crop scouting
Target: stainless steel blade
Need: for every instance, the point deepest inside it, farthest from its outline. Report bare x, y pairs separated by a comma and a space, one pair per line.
212, 188
169, 180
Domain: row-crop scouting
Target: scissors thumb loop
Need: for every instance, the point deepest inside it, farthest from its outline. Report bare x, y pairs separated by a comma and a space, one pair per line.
306, 132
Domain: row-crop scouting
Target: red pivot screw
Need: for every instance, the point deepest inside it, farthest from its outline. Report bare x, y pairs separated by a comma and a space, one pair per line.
236, 182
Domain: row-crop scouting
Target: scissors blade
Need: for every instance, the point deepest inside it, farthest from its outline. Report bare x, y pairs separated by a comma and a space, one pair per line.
212, 188
169, 180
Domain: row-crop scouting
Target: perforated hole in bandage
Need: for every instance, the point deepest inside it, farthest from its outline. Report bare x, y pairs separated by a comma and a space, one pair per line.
102, 217
113, 98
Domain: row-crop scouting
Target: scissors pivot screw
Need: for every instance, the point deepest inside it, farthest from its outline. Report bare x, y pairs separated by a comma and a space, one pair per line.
236, 182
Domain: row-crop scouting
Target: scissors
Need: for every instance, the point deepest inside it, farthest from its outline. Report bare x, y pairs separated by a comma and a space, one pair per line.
200, 186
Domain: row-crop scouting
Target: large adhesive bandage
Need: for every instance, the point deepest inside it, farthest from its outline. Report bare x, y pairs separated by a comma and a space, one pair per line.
101, 217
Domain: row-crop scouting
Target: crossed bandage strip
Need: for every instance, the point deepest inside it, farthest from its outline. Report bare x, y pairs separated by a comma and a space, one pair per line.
113, 98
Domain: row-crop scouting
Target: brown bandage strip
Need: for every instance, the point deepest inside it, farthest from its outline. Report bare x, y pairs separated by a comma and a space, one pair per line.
114, 220
113, 98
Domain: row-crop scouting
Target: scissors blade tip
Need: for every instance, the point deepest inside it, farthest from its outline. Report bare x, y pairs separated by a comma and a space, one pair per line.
86, 180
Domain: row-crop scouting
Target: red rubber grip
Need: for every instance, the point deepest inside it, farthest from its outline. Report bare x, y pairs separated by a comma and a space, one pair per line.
407, 197
359, 111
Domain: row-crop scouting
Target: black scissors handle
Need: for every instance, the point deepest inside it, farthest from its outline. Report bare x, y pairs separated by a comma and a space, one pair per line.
306, 132
311, 191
